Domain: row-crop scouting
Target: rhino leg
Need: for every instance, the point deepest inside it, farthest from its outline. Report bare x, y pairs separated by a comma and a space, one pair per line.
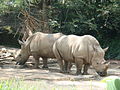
44, 63
68, 66
60, 62
36, 61
79, 63
85, 69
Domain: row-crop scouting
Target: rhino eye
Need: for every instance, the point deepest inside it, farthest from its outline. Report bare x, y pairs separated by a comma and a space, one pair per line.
97, 63
20, 55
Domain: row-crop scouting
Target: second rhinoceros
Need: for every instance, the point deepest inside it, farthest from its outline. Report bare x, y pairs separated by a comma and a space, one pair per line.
81, 50
38, 45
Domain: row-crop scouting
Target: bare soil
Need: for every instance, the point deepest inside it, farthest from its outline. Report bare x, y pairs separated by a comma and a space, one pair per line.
51, 77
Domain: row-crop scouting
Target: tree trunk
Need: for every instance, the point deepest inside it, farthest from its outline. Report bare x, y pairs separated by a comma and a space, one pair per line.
44, 18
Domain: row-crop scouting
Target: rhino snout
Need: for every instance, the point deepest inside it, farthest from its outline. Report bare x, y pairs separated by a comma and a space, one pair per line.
102, 73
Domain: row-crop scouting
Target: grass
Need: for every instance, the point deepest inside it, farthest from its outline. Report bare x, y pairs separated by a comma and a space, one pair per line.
18, 84
10, 85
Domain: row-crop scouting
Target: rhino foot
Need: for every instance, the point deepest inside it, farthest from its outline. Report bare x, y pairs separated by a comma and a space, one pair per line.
36, 67
62, 71
85, 73
66, 71
45, 67
78, 73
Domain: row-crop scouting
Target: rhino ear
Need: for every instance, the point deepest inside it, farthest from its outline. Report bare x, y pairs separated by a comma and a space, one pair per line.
20, 42
105, 49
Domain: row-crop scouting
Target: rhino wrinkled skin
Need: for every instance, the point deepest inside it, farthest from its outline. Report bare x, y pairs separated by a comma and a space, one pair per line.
81, 50
38, 45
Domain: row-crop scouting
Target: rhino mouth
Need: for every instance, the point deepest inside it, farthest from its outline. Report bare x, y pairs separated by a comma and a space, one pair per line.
102, 73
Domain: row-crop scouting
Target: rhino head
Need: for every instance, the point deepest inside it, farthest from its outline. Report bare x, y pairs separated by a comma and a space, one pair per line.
22, 55
99, 63
101, 68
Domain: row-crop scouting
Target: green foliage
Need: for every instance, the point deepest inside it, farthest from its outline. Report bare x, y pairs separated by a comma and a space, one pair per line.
80, 17
18, 84
7, 6
99, 18
114, 47
9, 84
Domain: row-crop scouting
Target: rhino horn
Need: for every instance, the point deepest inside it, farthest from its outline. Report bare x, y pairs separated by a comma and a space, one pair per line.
21, 42
106, 63
105, 49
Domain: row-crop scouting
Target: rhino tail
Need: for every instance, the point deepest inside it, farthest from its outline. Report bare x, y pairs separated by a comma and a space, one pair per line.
56, 51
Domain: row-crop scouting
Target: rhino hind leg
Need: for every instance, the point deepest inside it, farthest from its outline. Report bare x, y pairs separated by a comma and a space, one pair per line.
85, 69
78, 63
45, 66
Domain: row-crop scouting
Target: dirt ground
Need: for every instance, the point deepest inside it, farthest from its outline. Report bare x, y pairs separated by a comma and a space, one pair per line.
52, 77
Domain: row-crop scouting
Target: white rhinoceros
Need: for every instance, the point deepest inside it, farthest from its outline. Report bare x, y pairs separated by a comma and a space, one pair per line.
81, 50
38, 45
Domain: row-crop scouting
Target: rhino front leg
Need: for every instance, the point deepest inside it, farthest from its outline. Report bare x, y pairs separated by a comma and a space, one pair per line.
60, 62
79, 63
44, 63
68, 66
36, 61
85, 69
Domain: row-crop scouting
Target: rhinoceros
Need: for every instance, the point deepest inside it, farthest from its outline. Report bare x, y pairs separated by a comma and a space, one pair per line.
81, 50
38, 45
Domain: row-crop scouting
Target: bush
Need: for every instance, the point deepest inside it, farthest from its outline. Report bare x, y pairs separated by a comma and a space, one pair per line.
100, 19
87, 17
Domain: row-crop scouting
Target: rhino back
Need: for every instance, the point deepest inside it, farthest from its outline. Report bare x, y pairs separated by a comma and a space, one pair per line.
64, 46
71, 47
42, 43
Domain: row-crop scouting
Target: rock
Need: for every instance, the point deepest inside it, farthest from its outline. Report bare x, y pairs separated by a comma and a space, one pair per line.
4, 53
3, 50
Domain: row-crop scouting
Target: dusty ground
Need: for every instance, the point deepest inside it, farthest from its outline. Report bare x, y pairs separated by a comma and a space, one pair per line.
52, 77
